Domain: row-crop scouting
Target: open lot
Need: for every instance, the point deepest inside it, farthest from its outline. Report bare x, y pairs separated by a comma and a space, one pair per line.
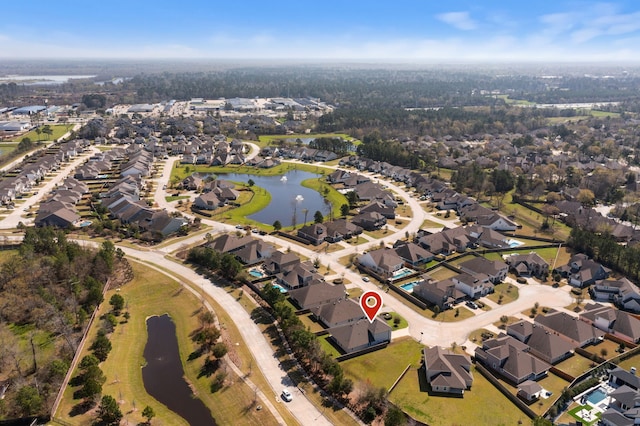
483, 404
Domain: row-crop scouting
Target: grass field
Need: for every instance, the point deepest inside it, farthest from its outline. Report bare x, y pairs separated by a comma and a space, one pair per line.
402, 324
575, 365
265, 140
382, 368
153, 293
482, 405
7, 147
58, 131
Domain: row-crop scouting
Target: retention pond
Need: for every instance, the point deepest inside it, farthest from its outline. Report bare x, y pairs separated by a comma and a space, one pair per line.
163, 376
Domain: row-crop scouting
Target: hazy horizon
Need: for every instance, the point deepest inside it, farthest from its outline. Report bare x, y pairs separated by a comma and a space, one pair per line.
410, 31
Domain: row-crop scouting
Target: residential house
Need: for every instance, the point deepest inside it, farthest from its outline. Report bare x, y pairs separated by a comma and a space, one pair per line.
547, 346
360, 335
497, 222
192, 183
529, 390
382, 261
255, 251
446, 371
496, 270
474, 286
229, 243
441, 293
280, 262
412, 253
341, 229
610, 320
208, 201
579, 333
369, 221
338, 313
298, 275
320, 293
582, 271
379, 207
528, 265
56, 214
447, 241
510, 358
622, 292
315, 233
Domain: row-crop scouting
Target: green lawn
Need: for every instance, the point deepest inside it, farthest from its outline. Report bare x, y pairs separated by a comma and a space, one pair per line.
441, 273
328, 192
153, 293
575, 365
450, 315
574, 413
402, 324
482, 405
382, 368
176, 197
329, 347
7, 147
58, 131
253, 200
509, 293
265, 140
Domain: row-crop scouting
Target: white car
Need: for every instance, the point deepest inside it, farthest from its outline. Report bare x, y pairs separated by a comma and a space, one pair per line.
286, 395
365, 279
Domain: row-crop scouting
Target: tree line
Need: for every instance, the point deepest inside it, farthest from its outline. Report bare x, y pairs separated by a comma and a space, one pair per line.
48, 290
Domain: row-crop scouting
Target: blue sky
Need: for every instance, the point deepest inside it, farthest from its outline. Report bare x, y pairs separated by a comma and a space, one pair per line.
400, 30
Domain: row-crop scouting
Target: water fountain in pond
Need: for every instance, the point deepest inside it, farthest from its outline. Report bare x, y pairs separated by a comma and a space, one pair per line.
283, 179
299, 198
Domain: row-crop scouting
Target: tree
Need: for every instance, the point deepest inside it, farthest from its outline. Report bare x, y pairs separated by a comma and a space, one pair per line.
394, 417
101, 346
586, 197
219, 350
47, 130
250, 182
29, 400
117, 302
277, 225
108, 412
318, 217
344, 209
148, 413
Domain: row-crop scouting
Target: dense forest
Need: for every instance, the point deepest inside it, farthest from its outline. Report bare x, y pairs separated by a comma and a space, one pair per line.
48, 290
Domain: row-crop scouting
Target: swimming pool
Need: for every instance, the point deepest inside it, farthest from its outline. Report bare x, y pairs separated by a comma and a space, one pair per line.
256, 273
279, 287
408, 287
514, 243
84, 224
596, 396
402, 273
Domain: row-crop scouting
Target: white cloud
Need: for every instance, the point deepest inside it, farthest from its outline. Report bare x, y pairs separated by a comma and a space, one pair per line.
459, 20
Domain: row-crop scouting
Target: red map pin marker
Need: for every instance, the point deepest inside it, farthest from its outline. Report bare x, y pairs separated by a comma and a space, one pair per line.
371, 302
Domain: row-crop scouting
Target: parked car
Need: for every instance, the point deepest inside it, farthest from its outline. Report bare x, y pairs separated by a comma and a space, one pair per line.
286, 395
472, 304
365, 279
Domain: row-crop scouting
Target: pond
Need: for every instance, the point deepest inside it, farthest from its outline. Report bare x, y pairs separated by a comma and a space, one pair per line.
163, 376
288, 197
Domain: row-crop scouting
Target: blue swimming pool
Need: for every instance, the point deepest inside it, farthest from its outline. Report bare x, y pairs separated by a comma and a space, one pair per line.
596, 396
401, 273
408, 287
256, 273
515, 243
279, 287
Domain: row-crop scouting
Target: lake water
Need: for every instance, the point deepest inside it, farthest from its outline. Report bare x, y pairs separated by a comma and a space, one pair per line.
163, 374
41, 79
287, 197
